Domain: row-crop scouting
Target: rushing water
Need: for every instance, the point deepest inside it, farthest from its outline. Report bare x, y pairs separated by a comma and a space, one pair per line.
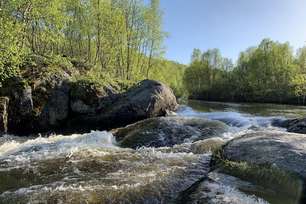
92, 168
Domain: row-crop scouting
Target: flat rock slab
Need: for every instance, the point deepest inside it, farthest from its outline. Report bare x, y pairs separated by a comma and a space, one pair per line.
286, 151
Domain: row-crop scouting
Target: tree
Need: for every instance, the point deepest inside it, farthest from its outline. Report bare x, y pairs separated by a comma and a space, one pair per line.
11, 50
121, 39
265, 73
196, 55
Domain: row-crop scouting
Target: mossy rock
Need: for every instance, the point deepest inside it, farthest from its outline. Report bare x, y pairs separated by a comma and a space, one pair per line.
272, 159
87, 96
168, 131
86, 90
207, 145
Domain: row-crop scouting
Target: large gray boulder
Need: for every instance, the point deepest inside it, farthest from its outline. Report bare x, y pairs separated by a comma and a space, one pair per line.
56, 111
275, 160
82, 105
145, 100
43, 87
168, 131
89, 98
20, 109
286, 151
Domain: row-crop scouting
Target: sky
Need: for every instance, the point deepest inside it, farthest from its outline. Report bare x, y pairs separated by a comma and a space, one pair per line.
230, 25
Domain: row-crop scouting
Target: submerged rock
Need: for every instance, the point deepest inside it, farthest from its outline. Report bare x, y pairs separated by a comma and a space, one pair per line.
216, 191
276, 160
295, 125
168, 131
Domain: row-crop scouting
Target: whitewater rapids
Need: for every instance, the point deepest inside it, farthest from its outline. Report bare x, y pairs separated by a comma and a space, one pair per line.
92, 168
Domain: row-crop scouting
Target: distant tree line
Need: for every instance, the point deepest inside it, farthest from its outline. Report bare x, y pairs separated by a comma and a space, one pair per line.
120, 38
269, 72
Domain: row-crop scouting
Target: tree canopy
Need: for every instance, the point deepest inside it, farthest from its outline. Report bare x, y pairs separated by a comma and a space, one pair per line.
269, 72
122, 39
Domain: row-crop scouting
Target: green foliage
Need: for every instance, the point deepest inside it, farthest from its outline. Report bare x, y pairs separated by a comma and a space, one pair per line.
120, 39
170, 73
11, 54
102, 79
206, 73
266, 73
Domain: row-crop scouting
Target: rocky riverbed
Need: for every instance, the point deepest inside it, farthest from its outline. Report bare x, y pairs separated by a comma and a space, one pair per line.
202, 153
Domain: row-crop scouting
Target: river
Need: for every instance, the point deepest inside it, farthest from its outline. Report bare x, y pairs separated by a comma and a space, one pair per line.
92, 168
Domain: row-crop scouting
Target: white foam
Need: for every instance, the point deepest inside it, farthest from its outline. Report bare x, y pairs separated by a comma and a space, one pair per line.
239, 123
220, 193
52, 146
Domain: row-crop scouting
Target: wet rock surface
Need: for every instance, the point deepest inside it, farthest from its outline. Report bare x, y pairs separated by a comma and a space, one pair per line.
295, 125
168, 131
283, 150
272, 159
90, 169
175, 159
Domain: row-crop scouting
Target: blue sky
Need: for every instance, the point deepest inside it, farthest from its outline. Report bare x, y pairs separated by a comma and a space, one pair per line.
230, 25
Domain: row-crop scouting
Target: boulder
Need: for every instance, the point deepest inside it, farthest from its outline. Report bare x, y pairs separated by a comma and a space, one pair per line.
109, 110
61, 105
20, 108
295, 125
207, 145
56, 111
88, 97
44, 86
275, 160
4, 102
149, 99
168, 131
286, 151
